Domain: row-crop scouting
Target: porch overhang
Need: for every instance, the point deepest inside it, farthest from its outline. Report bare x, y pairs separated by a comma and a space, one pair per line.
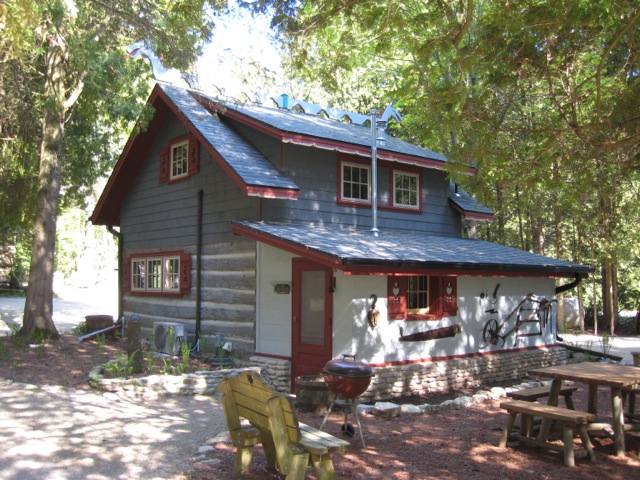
357, 251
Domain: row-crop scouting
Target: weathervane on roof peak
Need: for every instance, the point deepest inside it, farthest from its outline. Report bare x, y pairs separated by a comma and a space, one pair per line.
171, 76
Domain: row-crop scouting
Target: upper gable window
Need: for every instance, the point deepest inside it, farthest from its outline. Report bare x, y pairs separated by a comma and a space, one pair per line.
179, 159
405, 189
355, 183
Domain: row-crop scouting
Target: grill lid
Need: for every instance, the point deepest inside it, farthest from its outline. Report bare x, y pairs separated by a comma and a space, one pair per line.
348, 368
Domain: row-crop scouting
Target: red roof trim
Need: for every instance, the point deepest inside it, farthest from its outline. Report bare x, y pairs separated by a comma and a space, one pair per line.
285, 245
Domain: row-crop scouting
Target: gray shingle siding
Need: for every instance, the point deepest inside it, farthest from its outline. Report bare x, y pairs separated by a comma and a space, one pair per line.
315, 171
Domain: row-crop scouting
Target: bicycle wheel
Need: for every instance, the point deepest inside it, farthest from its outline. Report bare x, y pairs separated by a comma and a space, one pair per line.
490, 331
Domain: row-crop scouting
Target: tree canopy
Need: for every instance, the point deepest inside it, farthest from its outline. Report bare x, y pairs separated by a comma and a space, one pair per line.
542, 97
70, 94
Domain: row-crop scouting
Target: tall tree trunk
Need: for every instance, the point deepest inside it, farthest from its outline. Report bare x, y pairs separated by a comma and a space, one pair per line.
537, 234
609, 293
38, 310
580, 309
523, 244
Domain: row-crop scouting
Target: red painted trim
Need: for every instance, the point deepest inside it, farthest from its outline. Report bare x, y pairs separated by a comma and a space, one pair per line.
170, 253
320, 258
138, 293
269, 355
464, 355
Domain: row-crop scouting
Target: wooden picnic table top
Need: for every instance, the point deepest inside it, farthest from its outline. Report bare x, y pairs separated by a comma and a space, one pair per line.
607, 374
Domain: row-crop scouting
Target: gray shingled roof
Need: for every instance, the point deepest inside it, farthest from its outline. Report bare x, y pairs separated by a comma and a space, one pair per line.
466, 202
359, 248
249, 164
318, 127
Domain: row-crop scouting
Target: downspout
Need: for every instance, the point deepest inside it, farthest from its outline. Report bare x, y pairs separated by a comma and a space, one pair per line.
569, 286
199, 270
374, 173
563, 288
118, 236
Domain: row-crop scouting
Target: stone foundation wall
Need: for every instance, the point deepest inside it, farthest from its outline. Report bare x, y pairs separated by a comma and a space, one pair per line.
441, 376
429, 377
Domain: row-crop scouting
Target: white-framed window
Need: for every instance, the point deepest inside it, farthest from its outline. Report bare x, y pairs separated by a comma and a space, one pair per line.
356, 183
179, 160
405, 190
138, 276
172, 275
156, 274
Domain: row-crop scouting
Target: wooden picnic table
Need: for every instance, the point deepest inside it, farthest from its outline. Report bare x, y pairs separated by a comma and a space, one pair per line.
616, 377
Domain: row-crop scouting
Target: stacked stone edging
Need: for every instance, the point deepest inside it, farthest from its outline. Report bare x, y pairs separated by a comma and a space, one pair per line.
204, 382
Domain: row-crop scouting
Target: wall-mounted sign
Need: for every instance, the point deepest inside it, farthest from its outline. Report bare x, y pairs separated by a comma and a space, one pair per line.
282, 288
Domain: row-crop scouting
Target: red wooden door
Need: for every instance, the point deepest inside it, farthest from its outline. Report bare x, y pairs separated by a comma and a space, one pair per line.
312, 318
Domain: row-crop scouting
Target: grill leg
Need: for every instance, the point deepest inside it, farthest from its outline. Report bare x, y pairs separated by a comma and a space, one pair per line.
350, 407
327, 415
355, 413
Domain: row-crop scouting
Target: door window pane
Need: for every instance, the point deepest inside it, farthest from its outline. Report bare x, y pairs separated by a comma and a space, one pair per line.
312, 309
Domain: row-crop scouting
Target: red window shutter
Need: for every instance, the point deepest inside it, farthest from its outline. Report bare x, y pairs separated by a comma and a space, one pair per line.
449, 296
165, 164
397, 297
194, 155
435, 303
126, 274
185, 273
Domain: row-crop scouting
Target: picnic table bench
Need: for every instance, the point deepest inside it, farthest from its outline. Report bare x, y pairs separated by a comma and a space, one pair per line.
270, 419
536, 393
568, 418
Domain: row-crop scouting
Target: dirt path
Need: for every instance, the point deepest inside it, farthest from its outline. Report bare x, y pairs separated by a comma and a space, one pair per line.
55, 433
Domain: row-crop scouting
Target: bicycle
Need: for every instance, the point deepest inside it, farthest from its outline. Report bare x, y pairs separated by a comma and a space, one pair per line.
491, 331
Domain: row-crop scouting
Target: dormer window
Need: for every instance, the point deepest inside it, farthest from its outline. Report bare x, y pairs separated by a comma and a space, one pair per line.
355, 183
405, 190
399, 186
180, 159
